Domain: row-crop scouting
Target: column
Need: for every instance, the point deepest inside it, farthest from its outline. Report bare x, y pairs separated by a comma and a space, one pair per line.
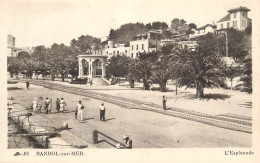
103, 68
80, 67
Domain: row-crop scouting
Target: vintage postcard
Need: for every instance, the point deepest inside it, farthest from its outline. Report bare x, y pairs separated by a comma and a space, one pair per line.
129, 80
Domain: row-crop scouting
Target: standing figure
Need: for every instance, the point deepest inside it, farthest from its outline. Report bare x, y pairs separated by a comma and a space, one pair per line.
62, 105
128, 142
164, 102
102, 112
39, 108
80, 107
46, 107
35, 105
58, 104
90, 81
27, 84
50, 106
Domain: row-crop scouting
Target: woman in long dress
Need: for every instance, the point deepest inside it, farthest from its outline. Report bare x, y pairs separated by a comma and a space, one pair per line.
35, 105
62, 105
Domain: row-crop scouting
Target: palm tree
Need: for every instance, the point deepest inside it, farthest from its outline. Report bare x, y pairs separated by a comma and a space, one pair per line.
246, 77
143, 67
202, 67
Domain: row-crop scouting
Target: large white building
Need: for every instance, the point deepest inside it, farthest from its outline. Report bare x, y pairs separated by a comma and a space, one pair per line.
146, 42
116, 49
236, 18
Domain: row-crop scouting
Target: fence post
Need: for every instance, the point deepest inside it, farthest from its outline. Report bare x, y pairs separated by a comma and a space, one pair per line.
95, 137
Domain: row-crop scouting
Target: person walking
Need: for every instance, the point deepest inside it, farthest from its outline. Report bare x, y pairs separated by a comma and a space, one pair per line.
164, 102
35, 105
50, 106
102, 112
128, 142
46, 107
79, 108
58, 104
27, 84
62, 105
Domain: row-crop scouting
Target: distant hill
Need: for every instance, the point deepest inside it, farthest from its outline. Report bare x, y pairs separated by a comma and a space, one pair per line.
127, 32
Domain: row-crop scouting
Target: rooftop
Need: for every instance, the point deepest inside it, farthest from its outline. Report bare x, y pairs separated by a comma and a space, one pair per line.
226, 18
240, 8
213, 26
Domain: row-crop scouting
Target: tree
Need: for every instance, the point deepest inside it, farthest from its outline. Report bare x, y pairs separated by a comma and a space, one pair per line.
232, 72
13, 66
204, 69
246, 77
161, 69
143, 67
118, 65
239, 44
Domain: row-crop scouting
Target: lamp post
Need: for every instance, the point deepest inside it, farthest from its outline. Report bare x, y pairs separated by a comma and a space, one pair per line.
226, 44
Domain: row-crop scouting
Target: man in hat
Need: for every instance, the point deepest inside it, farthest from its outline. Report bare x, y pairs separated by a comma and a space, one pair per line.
102, 112
47, 103
79, 109
128, 142
164, 102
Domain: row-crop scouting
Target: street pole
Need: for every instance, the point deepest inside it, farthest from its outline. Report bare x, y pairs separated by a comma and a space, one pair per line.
226, 45
38, 59
156, 41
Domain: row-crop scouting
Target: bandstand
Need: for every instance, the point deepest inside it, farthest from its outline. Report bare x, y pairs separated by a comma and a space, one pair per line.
91, 66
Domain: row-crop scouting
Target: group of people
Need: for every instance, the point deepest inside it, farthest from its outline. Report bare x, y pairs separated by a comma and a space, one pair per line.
79, 111
36, 105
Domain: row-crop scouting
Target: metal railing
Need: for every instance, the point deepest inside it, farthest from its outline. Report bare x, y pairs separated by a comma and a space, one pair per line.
96, 140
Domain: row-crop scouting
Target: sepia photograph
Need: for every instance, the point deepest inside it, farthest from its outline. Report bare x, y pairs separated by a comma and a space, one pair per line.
123, 74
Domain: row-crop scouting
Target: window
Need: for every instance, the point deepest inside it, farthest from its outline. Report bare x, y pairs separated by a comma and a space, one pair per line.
118, 52
221, 25
227, 24
142, 46
198, 31
132, 47
132, 55
234, 23
137, 54
136, 47
125, 51
235, 14
243, 23
114, 52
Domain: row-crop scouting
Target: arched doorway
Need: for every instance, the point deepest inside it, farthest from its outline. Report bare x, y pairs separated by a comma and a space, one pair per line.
97, 68
85, 67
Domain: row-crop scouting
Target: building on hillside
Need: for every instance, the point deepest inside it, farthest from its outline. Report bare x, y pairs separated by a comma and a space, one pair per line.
146, 42
236, 18
209, 28
112, 49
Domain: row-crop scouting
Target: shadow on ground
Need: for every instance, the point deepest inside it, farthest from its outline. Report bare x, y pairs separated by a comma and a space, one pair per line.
210, 96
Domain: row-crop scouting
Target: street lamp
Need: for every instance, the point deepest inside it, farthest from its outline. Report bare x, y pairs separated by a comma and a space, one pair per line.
226, 44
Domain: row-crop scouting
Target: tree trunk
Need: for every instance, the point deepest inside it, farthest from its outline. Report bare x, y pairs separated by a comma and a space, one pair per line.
132, 83
163, 86
231, 87
200, 89
62, 77
176, 89
52, 77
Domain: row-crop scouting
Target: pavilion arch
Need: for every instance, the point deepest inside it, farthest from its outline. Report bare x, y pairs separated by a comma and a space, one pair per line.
92, 66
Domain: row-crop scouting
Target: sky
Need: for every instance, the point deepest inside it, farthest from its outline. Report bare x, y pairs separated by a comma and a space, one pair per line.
44, 22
